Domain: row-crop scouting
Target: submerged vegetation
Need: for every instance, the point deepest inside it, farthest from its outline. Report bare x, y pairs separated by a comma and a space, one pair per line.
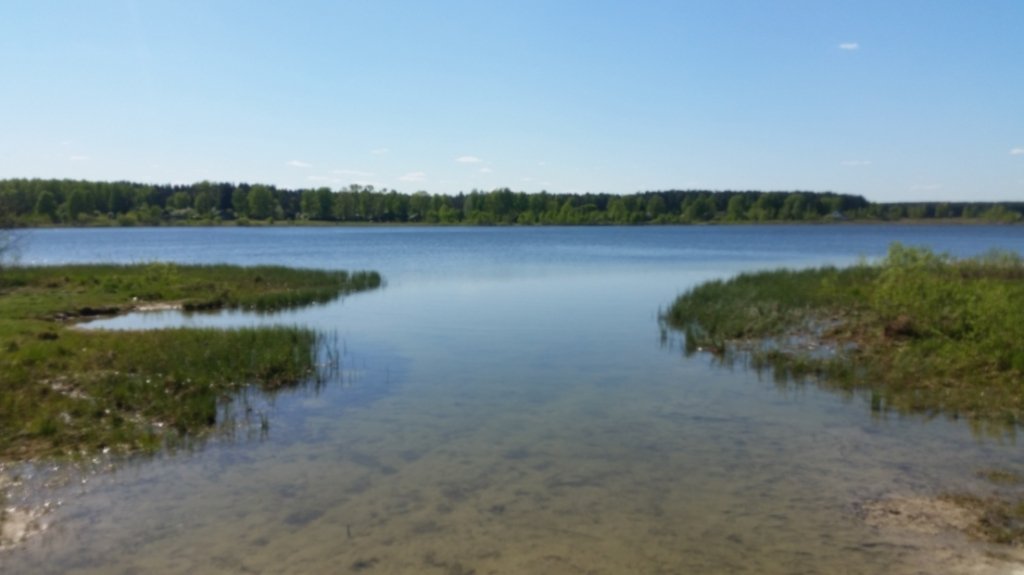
69, 391
37, 202
918, 332
999, 515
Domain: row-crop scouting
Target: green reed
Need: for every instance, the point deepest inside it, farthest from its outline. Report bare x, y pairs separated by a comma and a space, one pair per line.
923, 332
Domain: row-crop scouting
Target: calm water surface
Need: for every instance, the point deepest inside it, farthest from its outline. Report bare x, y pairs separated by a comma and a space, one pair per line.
509, 406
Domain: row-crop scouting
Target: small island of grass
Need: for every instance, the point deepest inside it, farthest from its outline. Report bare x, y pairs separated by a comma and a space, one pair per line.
919, 332
67, 391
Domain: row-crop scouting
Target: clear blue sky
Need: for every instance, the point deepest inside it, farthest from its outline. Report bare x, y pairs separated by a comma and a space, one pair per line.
894, 99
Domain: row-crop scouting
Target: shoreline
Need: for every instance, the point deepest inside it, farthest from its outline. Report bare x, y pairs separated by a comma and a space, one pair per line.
951, 222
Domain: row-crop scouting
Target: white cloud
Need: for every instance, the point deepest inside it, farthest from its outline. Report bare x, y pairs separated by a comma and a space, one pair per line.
414, 177
373, 183
849, 46
380, 151
485, 170
343, 182
856, 163
1017, 152
299, 164
358, 173
78, 158
468, 160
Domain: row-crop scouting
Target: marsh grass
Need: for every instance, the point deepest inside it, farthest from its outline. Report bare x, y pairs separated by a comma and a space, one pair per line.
917, 332
66, 391
85, 290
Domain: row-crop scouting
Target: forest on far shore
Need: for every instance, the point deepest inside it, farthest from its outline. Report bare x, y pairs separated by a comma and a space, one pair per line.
40, 202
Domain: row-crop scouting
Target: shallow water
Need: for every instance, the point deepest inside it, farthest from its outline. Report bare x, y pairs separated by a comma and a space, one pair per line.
510, 406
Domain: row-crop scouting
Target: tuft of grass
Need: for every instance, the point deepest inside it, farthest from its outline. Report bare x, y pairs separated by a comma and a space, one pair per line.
919, 332
65, 391
768, 304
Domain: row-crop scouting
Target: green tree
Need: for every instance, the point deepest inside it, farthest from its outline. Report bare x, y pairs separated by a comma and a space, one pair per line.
317, 204
568, 214
308, 205
501, 203
179, 201
526, 218
917, 211
205, 203
999, 213
143, 196
77, 205
895, 213
206, 198
150, 215
396, 207
793, 208
325, 203
345, 207
46, 205
448, 215
765, 208
737, 208
240, 202
617, 211
655, 206
538, 203
701, 210
262, 204
119, 198
419, 205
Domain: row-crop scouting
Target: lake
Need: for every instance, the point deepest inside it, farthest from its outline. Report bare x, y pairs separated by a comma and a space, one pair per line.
509, 404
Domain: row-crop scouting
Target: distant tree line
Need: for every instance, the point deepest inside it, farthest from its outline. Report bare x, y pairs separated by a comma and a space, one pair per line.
37, 202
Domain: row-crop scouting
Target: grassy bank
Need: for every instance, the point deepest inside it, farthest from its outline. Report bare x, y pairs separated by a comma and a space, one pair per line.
918, 332
71, 391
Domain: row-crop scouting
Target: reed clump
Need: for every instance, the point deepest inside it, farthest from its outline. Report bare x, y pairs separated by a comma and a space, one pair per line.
917, 332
